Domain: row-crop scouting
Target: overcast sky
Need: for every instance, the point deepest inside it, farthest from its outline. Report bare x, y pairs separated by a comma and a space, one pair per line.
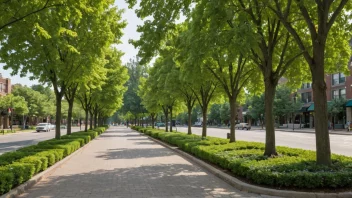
128, 49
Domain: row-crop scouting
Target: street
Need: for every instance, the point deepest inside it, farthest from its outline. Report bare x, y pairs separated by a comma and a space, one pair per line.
340, 144
17, 140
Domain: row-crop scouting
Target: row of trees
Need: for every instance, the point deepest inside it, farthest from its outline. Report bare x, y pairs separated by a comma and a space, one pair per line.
68, 45
228, 46
37, 102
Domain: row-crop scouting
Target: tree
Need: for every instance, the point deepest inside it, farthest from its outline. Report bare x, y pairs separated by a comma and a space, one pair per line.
311, 23
215, 113
225, 112
110, 97
336, 107
52, 53
16, 11
257, 108
17, 103
38, 104
131, 100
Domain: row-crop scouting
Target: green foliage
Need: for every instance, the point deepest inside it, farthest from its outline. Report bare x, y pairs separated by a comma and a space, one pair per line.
286, 101
19, 166
256, 107
292, 168
38, 103
16, 102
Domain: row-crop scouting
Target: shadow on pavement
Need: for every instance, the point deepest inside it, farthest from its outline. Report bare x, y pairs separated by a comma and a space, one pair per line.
127, 135
137, 139
145, 143
132, 153
172, 180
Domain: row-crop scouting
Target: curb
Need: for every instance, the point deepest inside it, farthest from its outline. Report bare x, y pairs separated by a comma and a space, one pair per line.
240, 185
34, 180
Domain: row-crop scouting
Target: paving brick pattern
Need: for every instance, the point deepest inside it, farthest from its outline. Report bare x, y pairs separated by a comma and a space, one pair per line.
122, 163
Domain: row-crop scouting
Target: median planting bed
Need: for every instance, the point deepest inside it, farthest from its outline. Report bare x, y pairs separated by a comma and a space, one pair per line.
19, 166
291, 169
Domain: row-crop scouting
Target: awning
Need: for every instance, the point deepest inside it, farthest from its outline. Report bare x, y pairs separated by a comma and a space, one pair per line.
305, 107
311, 108
349, 103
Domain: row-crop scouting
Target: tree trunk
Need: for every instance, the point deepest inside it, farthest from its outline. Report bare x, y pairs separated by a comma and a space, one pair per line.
189, 120
69, 116
90, 120
233, 109
152, 117
320, 107
58, 116
166, 113
270, 146
95, 117
204, 124
170, 118
86, 121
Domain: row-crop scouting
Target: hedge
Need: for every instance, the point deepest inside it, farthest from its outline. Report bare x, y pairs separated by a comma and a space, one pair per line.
292, 168
19, 166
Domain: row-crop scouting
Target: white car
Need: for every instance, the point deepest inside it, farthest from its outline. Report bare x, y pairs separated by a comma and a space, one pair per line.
198, 124
52, 126
43, 127
243, 126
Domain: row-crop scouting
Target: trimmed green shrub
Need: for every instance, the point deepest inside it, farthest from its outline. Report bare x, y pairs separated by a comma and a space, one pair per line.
21, 171
92, 134
19, 166
100, 130
85, 138
6, 180
292, 168
40, 162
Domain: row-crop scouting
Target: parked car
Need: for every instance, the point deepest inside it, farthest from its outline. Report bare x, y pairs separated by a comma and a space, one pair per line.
198, 124
159, 124
63, 127
43, 127
243, 126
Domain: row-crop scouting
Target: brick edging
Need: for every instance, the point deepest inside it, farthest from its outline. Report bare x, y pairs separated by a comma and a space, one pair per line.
34, 180
240, 185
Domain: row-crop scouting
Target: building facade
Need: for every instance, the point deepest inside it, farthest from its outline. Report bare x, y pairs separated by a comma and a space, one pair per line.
338, 86
5, 88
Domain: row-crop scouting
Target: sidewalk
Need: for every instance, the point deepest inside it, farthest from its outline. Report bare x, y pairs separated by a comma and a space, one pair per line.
122, 163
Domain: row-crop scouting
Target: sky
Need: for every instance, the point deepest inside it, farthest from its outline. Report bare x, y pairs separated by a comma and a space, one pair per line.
129, 33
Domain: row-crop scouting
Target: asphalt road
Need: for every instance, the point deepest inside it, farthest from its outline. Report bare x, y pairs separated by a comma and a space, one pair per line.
340, 144
15, 141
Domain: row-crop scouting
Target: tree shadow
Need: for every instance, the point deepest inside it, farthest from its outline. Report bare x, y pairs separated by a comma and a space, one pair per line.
159, 181
145, 143
128, 153
137, 139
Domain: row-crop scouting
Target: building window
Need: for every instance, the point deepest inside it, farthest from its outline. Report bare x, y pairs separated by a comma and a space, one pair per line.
306, 85
338, 78
343, 93
338, 93
306, 97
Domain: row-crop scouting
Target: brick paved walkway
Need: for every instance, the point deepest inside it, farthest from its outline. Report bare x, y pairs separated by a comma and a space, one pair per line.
122, 163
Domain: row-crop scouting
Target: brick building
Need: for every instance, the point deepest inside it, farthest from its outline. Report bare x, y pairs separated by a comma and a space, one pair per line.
5, 88
338, 86
5, 85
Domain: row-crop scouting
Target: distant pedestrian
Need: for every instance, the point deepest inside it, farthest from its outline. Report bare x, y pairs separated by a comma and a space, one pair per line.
348, 125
